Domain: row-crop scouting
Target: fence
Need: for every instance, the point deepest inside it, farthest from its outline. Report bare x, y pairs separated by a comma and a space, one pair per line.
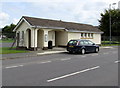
7, 35
114, 39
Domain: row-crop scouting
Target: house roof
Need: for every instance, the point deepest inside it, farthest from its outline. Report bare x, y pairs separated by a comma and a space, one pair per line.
60, 24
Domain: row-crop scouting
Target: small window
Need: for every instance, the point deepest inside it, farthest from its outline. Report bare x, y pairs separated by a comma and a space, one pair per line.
88, 34
92, 35
82, 35
85, 34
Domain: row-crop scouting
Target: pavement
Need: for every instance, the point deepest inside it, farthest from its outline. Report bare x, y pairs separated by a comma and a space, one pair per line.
33, 53
39, 52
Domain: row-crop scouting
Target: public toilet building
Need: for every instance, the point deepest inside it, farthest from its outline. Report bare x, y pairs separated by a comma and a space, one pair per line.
35, 33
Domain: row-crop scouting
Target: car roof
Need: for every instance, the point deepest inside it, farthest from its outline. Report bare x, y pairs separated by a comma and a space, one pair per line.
77, 39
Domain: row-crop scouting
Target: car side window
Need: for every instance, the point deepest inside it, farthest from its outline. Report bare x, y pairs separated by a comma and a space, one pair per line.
90, 43
81, 43
85, 42
73, 42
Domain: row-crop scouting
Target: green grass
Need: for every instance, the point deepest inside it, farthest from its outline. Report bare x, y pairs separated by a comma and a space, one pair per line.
7, 50
110, 44
107, 42
113, 43
7, 41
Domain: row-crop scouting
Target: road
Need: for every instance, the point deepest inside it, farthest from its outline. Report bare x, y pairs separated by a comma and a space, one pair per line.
6, 44
92, 69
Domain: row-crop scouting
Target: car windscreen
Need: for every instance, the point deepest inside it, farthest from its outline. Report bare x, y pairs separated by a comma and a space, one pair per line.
72, 42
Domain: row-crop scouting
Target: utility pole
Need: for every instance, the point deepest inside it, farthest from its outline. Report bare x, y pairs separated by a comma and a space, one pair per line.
110, 20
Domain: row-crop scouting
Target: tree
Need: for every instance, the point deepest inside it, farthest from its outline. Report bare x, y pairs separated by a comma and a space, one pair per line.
115, 22
8, 31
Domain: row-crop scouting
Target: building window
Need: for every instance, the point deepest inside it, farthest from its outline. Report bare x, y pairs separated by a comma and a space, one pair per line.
85, 35
82, 35
92, 35
89, 35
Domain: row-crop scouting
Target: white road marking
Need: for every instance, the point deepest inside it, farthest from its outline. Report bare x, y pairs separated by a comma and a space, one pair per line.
116, 61
65, 59
14, 66
71, 74
45, 62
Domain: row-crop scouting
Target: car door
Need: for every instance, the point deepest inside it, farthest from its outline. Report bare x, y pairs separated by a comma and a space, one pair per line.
80, 44
87, 48
91, 46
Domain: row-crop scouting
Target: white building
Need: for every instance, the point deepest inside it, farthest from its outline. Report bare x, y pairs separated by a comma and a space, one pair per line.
34, 33
119, 5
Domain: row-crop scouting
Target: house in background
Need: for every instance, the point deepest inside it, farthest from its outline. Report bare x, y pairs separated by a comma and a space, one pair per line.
1, 35
119, 5
34, 33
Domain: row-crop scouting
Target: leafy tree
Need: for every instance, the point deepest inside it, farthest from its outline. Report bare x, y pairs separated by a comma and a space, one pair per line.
8, 31
115, 22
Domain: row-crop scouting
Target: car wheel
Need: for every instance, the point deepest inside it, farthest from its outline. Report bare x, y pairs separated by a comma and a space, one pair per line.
96, 50
83, 51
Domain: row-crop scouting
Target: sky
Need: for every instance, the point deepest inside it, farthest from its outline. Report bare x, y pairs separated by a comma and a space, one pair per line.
79, 11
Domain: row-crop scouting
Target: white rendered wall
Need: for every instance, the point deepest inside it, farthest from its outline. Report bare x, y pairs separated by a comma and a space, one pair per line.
51, 37
23, 27
61, 38
96, 37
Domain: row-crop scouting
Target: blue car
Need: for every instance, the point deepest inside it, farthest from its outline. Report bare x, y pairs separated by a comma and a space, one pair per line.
82, 46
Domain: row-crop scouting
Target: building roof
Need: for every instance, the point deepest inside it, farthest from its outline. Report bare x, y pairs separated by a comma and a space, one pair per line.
60, 24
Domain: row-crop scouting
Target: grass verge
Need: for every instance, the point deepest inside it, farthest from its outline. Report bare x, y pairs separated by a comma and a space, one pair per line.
113, 43
110, 44
7, 50
6, 41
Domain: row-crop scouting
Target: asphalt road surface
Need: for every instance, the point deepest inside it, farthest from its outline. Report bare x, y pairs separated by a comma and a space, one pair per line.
6, 44
92, 69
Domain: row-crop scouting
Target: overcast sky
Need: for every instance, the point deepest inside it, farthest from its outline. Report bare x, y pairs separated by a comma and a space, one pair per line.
80, 11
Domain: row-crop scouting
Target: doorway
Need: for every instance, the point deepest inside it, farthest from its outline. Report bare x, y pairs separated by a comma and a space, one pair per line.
18, 38
29, 38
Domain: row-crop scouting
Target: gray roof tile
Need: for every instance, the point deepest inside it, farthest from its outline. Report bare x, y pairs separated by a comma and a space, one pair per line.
55, 23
